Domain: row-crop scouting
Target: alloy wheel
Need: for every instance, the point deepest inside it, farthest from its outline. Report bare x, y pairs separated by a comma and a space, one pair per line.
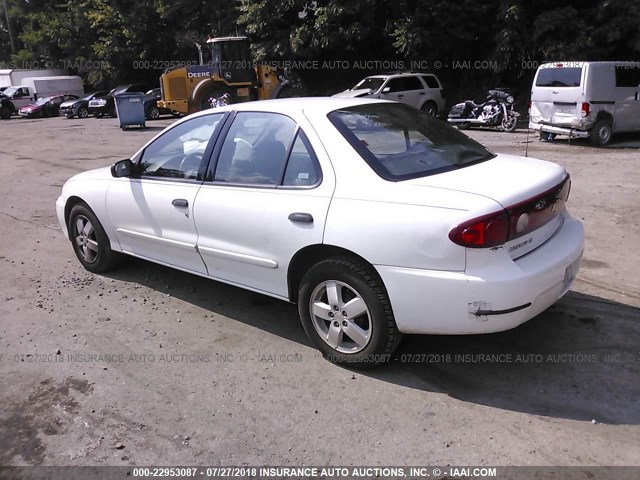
340, 316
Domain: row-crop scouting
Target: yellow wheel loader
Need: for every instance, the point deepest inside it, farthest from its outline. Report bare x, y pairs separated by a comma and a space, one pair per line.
230, 76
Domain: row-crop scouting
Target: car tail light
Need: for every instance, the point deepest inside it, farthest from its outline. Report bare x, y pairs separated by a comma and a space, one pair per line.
585, 109
486, 231
515, 221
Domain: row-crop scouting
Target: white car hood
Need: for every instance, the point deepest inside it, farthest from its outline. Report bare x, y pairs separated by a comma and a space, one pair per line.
354, 93
103, 173
507, 179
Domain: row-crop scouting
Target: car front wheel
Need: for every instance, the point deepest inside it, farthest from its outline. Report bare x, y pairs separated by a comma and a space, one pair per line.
83, 112
90, 241
346, 313
153, 113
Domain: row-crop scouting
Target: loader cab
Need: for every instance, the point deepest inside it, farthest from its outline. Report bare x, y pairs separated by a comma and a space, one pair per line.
231, 60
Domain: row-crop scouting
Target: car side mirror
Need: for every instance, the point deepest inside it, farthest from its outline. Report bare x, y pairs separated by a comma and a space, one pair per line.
123, 168
386, 89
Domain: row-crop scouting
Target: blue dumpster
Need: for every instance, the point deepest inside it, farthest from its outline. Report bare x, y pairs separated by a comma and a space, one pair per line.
130, 110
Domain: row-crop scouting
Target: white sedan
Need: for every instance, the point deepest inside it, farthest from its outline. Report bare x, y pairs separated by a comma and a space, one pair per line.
375, 218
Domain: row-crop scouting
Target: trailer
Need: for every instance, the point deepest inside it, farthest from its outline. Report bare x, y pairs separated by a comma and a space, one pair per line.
15, 76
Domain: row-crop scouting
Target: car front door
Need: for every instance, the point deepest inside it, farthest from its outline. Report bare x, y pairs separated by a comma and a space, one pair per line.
264, 198
152, 214
404, 89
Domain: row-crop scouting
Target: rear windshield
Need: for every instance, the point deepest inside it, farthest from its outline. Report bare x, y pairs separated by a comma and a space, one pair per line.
559, 77
399, 142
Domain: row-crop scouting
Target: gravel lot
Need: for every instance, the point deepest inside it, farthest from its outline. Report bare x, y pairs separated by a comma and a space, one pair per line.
196, 372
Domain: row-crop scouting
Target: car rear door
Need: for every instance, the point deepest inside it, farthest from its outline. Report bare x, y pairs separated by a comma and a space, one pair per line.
153, 214
265, 197
556, 95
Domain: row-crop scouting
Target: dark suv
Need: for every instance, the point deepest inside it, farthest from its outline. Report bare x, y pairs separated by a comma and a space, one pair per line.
106, 105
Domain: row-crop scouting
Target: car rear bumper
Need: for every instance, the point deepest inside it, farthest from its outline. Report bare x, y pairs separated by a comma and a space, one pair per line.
488, 298
105, 109
560, 129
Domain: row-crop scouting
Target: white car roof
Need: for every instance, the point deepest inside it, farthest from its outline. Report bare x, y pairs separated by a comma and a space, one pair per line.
318, 105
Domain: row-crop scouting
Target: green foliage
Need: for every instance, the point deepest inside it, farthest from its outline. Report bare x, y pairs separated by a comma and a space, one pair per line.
106, 40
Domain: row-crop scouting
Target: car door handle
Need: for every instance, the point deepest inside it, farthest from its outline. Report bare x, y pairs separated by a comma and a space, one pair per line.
301, 217
421, 93
180, 202
400, 96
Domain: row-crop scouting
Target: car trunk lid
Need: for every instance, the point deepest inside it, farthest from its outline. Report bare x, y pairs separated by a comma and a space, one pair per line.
532, 192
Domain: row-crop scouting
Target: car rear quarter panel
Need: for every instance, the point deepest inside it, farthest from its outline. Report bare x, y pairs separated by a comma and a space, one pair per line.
393, 223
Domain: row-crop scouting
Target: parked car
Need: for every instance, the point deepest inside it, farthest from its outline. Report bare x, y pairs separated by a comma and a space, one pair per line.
151, 108
592, 100
419, 90
375, 218
79, 107
106, 105
45, 107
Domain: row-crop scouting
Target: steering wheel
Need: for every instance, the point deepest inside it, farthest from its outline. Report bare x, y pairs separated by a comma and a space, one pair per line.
190, 165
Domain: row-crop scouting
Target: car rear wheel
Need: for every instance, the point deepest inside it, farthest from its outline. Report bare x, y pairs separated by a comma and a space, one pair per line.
90, 242
601, 133
346, 313
83, 112
430, 108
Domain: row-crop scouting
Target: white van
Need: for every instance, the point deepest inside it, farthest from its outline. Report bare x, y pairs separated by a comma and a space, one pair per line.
586, 99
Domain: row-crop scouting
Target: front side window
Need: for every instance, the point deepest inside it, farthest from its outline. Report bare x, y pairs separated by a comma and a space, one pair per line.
399, 142
255, 149
396, 85
180, 151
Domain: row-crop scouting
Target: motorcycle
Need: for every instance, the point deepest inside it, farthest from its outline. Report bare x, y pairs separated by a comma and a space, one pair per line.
496, 111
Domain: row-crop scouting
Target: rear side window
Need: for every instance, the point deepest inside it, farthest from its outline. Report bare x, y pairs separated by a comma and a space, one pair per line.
559, 77
628, 76
399, 142
302, 167
431, 81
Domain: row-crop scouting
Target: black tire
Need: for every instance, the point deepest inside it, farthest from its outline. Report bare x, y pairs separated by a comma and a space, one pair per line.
83, 112
97, 262
289, 91
463, 126
601, 133
430, 108
153, 113
5, 113
509, 123
216, 93
355, 281
97, 115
